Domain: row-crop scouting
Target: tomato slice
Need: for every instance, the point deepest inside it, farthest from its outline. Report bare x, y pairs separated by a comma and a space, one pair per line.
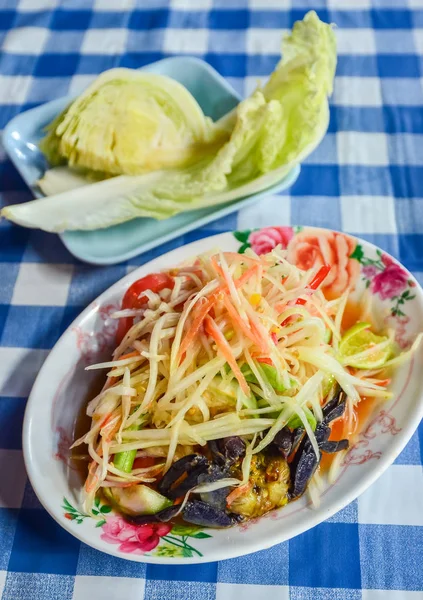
134, 299
144, 461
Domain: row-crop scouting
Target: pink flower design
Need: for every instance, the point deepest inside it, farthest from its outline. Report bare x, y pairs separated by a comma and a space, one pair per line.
136, 539
92, 343
387, 260
266, 239
391, 281
401, 335
370, 271
312, 248
117, 530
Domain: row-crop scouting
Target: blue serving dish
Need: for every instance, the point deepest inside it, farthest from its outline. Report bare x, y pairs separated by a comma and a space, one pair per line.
121, 242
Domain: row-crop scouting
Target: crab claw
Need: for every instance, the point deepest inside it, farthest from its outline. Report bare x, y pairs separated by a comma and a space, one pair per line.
331, 447
305, 461
302, 468
201, 513
335, 408
217, 498
183, 475
322, 433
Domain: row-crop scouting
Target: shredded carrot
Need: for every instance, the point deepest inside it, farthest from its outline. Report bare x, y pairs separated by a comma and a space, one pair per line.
217, 267
205, 308
106, 419
111, 430
109, 382
92, 478
110, 425
242, 258
237, 492
265, 360
245, 276
202, 312
122, 484
261, 341
236, 319
129, 355
214, 332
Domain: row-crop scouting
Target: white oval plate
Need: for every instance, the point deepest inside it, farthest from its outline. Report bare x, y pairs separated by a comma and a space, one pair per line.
61, 390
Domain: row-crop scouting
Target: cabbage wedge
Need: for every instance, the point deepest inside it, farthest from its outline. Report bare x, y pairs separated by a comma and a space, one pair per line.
129, 122
271, 131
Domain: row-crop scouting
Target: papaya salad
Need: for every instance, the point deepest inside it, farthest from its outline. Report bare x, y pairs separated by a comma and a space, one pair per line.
233, 382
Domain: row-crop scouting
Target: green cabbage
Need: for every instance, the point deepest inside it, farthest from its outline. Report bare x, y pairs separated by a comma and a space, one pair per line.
128, 122
272, 130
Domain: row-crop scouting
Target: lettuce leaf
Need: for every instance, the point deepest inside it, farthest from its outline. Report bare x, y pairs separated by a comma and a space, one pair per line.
272, 130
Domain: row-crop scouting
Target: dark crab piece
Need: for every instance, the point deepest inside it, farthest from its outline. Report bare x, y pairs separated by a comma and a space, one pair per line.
287, 440
163, 516
298, 436
284, 441
201, 513
217, 498
302, 468
227, 450
335, 408
322, 433
331, 447
305, 460
183, 475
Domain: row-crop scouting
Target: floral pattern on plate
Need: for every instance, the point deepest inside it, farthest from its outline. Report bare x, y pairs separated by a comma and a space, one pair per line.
165, 539
311, 248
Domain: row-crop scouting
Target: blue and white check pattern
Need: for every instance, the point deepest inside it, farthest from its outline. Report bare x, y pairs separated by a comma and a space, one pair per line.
366, 178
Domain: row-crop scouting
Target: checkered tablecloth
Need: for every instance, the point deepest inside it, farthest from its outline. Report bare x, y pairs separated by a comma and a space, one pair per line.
366, 178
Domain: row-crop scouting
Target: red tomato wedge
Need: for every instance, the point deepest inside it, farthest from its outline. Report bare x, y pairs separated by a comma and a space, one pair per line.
134, 299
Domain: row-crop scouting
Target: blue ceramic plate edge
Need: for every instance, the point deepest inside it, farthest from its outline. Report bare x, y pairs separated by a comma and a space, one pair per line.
286, 183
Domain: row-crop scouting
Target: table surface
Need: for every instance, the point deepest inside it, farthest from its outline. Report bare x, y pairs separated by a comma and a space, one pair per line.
365, 178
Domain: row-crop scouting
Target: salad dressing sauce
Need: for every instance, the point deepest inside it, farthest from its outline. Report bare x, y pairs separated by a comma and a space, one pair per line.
352, 314
364, 409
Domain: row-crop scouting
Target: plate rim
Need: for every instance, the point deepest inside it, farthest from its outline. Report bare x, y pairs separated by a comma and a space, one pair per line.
395, 447
224, 210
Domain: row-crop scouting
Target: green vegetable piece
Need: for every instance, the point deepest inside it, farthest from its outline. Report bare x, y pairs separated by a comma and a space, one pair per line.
269, 133
137, 500
250, 401
270, 373
125, 460
328, 384
295, 421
